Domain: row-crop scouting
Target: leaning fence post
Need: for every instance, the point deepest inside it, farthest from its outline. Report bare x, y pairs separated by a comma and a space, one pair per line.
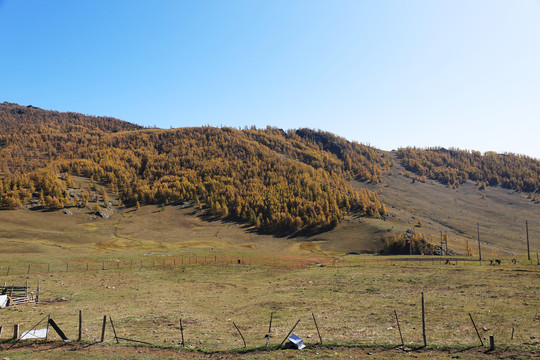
242, 336
475, 328
114, 330
286, 337
317, 327
399, 328
103, 328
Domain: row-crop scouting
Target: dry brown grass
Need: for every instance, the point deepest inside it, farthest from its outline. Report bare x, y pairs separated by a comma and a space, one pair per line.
501, 214
353, 304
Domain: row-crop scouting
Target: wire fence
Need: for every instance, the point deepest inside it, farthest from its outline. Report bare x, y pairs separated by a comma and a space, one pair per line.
283, 263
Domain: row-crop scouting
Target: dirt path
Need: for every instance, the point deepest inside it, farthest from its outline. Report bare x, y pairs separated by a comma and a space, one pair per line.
61, 350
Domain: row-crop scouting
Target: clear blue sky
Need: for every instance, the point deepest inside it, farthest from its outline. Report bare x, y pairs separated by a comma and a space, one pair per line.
387, 73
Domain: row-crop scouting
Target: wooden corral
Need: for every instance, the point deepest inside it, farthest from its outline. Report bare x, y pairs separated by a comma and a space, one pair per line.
18, 295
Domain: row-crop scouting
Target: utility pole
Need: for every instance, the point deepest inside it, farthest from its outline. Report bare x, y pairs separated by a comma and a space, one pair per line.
479, 248
528, 248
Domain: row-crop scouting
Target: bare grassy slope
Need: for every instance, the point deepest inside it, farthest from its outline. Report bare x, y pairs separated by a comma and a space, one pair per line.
501, 212
24, 231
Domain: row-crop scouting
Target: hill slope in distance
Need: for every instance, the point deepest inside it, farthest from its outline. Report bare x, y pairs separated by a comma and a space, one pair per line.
264, 189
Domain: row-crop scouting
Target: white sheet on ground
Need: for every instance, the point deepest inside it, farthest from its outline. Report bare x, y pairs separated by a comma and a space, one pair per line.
34, 334
3, 301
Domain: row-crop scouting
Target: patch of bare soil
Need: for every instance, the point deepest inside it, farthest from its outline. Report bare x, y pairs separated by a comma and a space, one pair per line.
56, 349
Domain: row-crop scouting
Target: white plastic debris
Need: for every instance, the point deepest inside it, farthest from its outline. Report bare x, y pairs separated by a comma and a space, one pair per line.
296, 341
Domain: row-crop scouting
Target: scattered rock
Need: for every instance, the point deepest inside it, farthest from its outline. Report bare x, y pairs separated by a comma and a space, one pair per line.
102, 214
67, 212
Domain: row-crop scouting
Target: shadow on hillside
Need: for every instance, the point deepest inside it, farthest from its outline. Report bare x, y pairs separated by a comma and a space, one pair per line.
247, 227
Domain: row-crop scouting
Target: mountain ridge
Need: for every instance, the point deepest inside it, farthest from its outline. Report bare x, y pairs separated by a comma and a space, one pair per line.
300, 182
280, 182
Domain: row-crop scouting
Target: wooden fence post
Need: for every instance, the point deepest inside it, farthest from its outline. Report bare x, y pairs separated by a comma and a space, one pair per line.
399, 329
475, 328
103, 328
15, 331
182, 331
317, 327
491, 342
290, 332
242, 336
114, 330
424, 321
528, 247
37, 292
269, 334
80, 326
479, 247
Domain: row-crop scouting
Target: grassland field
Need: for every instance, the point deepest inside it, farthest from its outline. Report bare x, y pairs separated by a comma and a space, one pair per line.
149, 268
352, 299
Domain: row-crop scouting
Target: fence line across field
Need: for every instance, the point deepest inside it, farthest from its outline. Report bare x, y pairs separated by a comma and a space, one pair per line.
116, 332
279, 263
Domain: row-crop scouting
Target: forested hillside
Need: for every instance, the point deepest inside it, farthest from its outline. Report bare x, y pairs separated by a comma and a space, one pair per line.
453, 167
281, 182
